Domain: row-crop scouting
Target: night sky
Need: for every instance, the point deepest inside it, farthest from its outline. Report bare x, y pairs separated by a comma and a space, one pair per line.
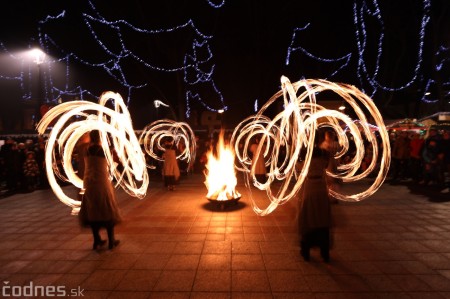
248, 40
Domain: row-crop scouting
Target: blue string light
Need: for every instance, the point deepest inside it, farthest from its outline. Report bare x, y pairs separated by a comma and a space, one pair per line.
369, 80
198, 69
212, 4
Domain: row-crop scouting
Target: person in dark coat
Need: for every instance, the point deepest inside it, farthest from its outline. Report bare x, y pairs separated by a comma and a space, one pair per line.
314, 206
98, 207
171, 170
258, 162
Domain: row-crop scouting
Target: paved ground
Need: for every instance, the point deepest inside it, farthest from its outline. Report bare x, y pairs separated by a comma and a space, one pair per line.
175, 244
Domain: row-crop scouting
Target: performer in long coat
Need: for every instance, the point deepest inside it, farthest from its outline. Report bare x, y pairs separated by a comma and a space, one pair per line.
258, 161
171, 171
314, 207
98, 207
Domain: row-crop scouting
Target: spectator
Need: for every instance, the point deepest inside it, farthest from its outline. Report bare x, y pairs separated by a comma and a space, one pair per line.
30, 171
445, 146
400, 156
430, 156
99, 207
314, 206
171, 171
415, 157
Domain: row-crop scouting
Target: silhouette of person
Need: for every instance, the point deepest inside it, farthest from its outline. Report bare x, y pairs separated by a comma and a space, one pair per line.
314, 205
80, 156
171, 171
258, 161
98, 207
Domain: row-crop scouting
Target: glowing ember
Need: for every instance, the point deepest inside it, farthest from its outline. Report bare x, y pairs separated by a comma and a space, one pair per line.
221, 178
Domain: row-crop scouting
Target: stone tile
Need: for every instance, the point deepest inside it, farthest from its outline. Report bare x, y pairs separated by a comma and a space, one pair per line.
287, 281
85, 267
249, 281
245, 247
212, 281
160, 247
71, 281
280, 262
176, 280
381, 283
120, 261
139, 280
134, 295
49, 267
352, 283
104, 280
247, 262
10, 267
183, 261
215, 262
436, 282
211, 247
189, 247
322, 283
252, 295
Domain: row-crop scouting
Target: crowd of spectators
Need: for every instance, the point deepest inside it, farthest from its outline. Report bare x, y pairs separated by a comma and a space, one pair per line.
22, 166
421, 159
418, 158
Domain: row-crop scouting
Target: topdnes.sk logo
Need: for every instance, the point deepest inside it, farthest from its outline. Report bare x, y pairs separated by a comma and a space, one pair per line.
32, 290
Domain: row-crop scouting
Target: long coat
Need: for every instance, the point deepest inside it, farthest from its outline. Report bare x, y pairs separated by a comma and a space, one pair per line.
260, 167
170, 167
314, 203
99, 200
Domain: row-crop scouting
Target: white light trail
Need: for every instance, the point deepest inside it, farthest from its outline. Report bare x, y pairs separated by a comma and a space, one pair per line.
71, 121
154, 135
291, 133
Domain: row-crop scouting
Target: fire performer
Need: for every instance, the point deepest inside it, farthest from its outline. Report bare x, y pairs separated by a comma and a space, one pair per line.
99, 207
171, 171
314, 205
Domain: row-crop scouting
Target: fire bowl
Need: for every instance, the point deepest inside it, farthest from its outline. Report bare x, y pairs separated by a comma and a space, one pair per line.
225, 203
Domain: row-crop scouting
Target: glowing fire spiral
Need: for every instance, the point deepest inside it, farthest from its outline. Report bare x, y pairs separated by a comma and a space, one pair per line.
292, 132
71, 121
154, 135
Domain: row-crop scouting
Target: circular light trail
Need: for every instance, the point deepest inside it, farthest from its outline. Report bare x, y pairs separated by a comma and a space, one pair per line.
70, 121
290, 135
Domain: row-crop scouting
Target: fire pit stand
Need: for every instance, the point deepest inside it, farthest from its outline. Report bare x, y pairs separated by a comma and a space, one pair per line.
222, 204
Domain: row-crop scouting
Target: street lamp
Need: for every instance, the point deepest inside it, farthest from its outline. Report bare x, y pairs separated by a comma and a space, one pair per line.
39, 58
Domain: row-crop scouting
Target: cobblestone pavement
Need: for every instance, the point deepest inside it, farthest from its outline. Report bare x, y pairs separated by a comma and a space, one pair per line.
176, 244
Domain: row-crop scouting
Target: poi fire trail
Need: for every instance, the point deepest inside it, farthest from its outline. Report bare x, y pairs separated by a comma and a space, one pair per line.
292, 132
117, 135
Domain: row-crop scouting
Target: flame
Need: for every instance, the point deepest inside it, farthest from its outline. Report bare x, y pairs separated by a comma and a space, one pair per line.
221, 178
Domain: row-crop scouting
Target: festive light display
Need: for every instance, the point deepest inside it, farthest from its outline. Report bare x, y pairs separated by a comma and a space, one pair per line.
343, 61
219, 5
71, 121
154, 136
369, 77
291, 133
195, 65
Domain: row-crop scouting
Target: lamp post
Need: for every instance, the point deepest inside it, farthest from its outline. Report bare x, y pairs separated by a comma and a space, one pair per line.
39, 58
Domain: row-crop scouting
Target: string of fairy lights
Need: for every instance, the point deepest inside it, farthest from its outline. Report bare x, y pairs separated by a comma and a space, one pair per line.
369, 80
198, 65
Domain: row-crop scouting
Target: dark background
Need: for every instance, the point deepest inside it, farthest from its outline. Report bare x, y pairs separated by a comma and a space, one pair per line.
249, 40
